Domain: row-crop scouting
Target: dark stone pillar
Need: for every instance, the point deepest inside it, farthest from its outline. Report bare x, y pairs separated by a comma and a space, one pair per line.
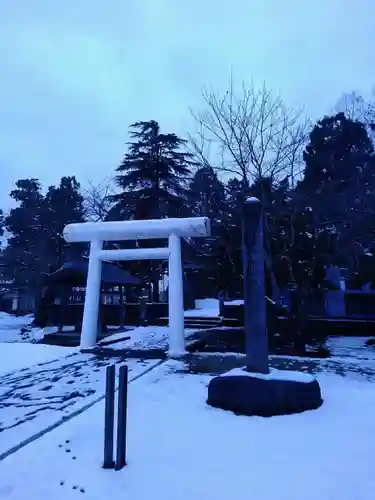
258, 392
254, 287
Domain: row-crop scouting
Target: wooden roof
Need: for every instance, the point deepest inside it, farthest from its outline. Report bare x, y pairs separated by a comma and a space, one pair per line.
75, 273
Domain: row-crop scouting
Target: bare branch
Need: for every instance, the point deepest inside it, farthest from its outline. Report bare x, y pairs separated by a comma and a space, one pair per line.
250, 129
298, 137
97, 199
356, 107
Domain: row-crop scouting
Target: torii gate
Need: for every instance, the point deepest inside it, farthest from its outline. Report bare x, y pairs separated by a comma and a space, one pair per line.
96, 233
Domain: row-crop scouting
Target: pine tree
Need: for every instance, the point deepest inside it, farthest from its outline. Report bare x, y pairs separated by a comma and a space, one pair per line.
2, 222
339, 180
207, 199
231, 234
207, 194
153, 180
36, 246
339, 159
153, 174
24, 255
62, 205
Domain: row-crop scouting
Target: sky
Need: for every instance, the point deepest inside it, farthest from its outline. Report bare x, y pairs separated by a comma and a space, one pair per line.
74, 74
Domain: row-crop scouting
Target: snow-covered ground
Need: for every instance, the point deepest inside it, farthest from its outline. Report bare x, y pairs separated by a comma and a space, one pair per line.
35, 398
17, 350
238, 302
42, 384
10, 326
178, 447
350, 348
18, 355
143, 338
181, 449
204, 308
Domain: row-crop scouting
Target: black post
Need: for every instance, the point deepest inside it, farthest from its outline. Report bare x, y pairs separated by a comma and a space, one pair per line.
122, 307
121, 419
109, 417
255, 313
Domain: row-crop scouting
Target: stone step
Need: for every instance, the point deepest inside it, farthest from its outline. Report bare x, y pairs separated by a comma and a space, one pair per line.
68, 339
195, 322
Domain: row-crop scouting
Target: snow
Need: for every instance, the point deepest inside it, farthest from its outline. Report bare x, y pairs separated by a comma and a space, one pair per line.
181, 449
36, 398
47, 330
239, 302
206, 304
143, 338
292, 376
10, 326
350, 348
16, 351
116, 337
135, 254
18, 355
137, 229
204, 308
201, 313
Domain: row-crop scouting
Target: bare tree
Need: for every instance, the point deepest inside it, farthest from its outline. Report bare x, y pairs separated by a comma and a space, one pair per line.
356, 107
370, 111
352, 104
248, 133
294, 165
98, 199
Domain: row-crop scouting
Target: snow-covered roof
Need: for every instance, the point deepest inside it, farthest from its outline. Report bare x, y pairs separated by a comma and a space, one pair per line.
76, 272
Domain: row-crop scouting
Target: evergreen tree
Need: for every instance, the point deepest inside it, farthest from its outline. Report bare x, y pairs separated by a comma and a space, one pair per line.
36, 246
207, 199
231, 235
339, 157
24, 255
153, 174
62, 205
152, 178
2, 222
339, 180
207, 194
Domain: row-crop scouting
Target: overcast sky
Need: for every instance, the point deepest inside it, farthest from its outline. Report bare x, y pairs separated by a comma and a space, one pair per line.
75, 73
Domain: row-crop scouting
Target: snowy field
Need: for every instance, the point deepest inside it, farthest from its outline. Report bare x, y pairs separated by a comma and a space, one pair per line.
178, 447
17, 347
181, 449
10, 327
15, 356
37, 397
352, 349
41, 384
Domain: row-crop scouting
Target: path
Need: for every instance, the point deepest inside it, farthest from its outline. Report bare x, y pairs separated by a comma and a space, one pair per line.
35, 398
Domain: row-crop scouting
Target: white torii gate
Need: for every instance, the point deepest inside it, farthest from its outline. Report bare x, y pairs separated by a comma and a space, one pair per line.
96, 233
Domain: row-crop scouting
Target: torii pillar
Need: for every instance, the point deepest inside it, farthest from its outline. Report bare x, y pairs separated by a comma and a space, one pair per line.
96, 233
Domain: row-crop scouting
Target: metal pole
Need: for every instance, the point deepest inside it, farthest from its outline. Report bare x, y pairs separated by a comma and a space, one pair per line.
255, 313
109, 417
121, 417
